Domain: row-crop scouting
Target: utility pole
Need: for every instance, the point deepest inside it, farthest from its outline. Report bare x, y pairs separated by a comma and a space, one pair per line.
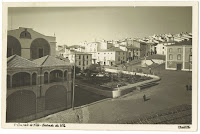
74, 81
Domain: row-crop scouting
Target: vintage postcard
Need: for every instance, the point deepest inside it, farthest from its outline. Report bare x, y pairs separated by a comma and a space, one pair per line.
100, 65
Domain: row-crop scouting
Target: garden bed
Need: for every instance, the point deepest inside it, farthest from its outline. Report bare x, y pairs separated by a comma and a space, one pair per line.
113, 80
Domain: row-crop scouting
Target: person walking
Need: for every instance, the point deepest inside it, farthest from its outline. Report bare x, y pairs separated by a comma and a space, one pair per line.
144, 97
190, 87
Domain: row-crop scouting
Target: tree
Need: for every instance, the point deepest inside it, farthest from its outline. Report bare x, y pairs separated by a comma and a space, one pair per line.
77, 70
88, 73
96, 68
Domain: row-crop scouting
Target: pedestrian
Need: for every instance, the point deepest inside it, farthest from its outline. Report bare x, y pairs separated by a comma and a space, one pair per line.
190, 87
187, 87
144, 97
150, 70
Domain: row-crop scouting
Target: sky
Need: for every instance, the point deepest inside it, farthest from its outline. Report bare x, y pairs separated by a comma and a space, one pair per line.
73, 25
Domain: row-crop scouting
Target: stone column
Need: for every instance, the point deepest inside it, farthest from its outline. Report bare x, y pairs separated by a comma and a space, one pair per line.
69, 76
10, 81
63, 76
31, 79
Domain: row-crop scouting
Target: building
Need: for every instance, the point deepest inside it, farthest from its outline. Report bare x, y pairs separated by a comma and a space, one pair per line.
30, 44
83, 60
179, 56
161, 47
132, 52
37, 88
76, 48
64, 52
112, 56
94, 47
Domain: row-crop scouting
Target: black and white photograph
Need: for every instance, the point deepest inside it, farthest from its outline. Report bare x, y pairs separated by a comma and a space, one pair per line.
129, 65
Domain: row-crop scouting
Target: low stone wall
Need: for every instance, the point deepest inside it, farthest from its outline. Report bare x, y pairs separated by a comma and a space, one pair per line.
130, 87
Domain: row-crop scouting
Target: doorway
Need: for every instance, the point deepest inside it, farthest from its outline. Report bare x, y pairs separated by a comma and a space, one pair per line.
179, 66
41, 52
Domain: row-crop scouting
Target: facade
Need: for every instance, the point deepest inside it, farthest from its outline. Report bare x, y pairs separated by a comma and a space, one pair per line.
64, 52
131, 52
161, 47
30, 44
179, 56
37, 88
83, 60
112, 56
94, 47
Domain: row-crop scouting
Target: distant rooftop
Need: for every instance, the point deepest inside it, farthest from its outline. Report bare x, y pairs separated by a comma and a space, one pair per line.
185, 42
75, 52
112, 49
156, 56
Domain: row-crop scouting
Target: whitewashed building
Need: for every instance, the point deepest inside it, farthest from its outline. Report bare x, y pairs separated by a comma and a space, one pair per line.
112, 56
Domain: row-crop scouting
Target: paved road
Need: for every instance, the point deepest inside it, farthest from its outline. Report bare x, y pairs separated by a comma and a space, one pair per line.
169, 93
83, 97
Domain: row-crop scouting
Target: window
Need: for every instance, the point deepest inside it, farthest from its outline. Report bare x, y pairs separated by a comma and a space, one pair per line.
79, 57
170, 50
123, 53
190, 49
41, 52
178, 57
179, 50
190, 58
170, 56
79, 63
87, 56
163, 48
25, 34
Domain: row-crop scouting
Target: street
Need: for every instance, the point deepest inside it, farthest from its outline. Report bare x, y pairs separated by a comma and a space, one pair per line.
169, 93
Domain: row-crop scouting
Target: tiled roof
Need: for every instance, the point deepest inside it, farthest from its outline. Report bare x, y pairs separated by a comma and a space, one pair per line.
156, 56
185, 42
19, 62
49, 61
112, 49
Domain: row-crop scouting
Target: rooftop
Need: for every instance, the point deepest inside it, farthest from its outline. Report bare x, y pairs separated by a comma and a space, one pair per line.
112, 49
185, 42
50, 61
156, 56
19, 62
75, 52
